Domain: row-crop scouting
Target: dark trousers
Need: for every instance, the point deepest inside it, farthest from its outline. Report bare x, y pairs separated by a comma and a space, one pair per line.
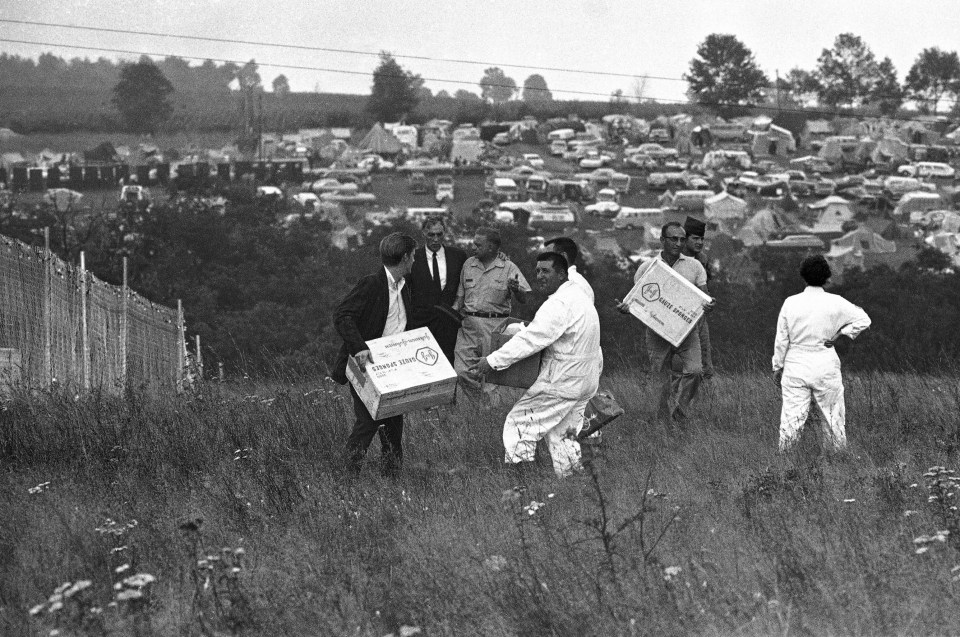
390, 431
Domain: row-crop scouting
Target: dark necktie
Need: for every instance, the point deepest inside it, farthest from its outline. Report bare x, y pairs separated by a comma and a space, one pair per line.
436, 273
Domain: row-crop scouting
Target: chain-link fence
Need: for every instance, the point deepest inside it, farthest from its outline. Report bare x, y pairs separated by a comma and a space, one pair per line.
60, 325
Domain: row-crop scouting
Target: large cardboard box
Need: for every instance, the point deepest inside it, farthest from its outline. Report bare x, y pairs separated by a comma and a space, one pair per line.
409, 372
521, 374
666, 302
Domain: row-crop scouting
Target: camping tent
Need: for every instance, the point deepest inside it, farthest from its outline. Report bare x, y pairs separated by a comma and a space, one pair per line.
774, 140
724, 206
762, 226
834, 211
379, 141
105, 152
839, 148
864, 239
842, 258
890, 149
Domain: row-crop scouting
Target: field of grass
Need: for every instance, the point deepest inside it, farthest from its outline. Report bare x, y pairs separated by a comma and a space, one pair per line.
702, 531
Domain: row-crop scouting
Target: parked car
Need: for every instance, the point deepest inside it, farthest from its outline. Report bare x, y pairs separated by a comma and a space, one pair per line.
501, 139
927, 170
558, 147
533, 159
607, 205
375, 163
630, 218
641, 161
418, 183
595, 159
657, 151
443, 187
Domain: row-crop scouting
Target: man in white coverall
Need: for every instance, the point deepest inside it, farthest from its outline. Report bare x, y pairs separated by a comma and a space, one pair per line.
567, 329
805, 363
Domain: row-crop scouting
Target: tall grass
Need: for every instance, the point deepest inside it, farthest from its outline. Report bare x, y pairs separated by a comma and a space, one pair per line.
702, 531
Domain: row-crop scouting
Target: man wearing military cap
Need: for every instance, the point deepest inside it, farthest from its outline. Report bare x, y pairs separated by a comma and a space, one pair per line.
693, 247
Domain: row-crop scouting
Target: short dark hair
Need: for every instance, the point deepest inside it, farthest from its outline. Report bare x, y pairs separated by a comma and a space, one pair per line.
395, 246
433, 220
815, 270
557, 260
491, 235
566, 246
671, 224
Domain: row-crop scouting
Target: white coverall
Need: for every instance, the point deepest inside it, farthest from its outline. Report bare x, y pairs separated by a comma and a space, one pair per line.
810, 368
566, 328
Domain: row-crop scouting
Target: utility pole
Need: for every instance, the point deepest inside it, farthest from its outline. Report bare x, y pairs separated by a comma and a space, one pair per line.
777, 71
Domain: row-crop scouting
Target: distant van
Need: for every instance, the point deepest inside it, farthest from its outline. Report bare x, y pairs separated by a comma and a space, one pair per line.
630, 218
551, 218
690, 200
505, 189
558, 147
562, 133
419, 215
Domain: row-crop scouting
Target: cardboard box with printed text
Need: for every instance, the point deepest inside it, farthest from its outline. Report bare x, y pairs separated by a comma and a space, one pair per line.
666, 302
409, 372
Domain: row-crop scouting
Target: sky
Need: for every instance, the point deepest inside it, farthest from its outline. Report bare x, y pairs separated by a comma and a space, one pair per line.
617, 41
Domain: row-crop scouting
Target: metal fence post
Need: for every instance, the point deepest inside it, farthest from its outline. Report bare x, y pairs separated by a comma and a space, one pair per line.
198, 357
47, 309
124, 328
84, 328
181, 345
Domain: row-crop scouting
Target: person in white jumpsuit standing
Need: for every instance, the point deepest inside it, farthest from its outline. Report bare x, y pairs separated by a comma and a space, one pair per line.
805, 363
566, 329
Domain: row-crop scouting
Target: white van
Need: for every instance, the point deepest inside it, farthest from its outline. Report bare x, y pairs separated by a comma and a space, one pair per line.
558, 147
552, 218
630, 218
505, 189
561, 133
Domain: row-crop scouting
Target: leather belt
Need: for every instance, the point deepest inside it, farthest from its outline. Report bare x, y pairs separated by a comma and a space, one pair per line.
487, 314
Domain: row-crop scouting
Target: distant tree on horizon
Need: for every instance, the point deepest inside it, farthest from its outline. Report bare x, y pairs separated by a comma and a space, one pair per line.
535, 89
496, 86
141, 97
395, 91
848, 73
934, 75
725, 73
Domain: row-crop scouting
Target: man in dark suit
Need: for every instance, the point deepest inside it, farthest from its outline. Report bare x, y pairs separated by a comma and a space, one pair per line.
378, 305
433, 282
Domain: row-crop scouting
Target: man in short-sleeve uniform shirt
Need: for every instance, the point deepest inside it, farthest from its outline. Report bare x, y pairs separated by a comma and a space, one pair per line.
488, 285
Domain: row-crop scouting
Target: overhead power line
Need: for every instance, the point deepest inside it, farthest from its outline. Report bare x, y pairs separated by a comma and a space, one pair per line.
313, 68
303, 47
606, 96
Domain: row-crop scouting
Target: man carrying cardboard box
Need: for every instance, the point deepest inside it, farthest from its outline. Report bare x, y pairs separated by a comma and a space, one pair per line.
376, 306
566, 329
675, 397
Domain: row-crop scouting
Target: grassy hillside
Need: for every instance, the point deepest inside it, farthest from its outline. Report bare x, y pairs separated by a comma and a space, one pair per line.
699, 532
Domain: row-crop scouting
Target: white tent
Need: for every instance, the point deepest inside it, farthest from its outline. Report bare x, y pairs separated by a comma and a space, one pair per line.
761, 227
842, 258
834, 212
863, 239
724, 206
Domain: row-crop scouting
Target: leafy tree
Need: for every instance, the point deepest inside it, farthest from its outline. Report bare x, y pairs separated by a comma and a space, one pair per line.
725, 72
496, 86
394, 92
141, 97
934, 75
886, 92
281, 90
442, 95
801, 86
465, 96
847, 73
535, 89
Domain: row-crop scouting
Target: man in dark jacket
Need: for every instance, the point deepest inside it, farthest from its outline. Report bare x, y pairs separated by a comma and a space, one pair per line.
378, 305
433, 285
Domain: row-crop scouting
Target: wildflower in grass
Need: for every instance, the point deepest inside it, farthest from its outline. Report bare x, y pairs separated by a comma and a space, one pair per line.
118, 549
671, 572
140, 580
909, 513
40, 488
495, 563
849, 500
81, 585
122, 569
36, 610
921, 550
409, 631
533, 507
129, 594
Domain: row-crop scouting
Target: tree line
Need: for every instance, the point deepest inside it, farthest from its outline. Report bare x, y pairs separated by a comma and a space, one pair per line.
849, 74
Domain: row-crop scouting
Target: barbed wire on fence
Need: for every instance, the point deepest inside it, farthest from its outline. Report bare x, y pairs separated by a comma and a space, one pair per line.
60, 326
